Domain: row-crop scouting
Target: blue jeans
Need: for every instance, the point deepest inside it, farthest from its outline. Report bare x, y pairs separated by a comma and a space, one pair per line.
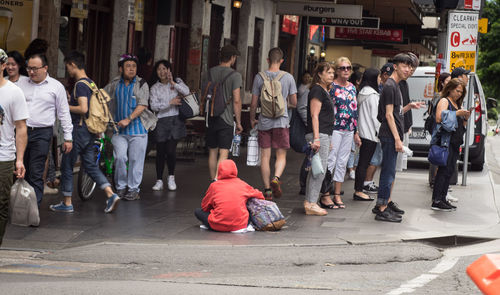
83, 146
388, 170
35, 156
131, 148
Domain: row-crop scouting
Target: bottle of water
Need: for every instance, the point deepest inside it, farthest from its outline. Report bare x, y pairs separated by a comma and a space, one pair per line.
236, 145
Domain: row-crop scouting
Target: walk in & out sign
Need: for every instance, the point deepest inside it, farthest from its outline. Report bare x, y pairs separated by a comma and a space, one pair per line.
462, 40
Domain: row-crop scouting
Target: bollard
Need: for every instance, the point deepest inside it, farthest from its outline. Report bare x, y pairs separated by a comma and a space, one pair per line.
485, 273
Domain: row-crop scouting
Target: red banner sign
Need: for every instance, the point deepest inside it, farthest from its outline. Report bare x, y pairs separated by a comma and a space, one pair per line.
290, 24
388, 35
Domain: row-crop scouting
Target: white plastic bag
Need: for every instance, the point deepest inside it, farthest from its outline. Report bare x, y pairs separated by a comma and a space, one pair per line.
253, 151
316, 166
23, 204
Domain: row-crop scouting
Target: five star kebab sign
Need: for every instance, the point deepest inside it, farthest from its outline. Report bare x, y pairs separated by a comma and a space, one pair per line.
462, 40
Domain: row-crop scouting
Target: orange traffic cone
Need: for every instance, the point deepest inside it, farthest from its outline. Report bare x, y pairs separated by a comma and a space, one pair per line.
485, 273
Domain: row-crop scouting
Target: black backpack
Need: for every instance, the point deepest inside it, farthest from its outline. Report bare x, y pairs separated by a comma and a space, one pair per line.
430, 121
213, 102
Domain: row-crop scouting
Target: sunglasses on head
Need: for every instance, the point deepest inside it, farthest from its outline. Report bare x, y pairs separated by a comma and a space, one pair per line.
348, 68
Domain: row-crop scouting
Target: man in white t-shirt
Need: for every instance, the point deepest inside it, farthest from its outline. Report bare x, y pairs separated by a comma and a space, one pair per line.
13, 139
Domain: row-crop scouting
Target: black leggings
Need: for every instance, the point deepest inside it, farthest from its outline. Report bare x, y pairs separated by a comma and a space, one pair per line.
202, 216
167, 149
366, 152
443, 175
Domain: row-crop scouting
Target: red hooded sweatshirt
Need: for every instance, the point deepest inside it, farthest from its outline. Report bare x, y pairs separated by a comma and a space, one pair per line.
226, 199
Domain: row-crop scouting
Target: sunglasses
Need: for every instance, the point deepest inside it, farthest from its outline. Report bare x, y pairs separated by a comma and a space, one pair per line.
348, 68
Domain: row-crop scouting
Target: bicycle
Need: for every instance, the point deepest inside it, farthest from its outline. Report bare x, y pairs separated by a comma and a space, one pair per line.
105, 161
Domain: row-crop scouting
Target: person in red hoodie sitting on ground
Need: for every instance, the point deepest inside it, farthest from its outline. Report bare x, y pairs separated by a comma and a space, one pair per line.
224, 207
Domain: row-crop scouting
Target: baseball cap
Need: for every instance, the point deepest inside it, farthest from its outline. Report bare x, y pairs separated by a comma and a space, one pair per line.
457, 72
387, 68
3, 56
229, 50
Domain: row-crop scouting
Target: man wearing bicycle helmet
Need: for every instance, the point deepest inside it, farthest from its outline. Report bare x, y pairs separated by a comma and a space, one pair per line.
129, 106
83, 140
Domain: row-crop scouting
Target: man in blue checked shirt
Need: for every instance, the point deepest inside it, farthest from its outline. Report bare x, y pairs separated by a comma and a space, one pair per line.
130, 96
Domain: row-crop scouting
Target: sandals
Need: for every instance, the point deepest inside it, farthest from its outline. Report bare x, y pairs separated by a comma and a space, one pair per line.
340, 204
329, 206
359, 198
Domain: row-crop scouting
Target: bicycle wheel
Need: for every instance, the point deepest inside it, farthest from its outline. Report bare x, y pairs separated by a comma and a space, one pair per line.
86, 185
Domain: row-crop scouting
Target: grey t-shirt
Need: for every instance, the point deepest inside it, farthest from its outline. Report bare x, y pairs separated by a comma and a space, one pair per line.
234, 81
288, 87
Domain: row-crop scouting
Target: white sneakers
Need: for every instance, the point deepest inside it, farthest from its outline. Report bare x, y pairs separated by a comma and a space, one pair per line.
50, 191
158, 185
170, 184
451, 198
352, 174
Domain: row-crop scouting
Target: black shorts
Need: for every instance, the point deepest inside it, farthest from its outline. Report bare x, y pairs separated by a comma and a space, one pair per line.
219, 134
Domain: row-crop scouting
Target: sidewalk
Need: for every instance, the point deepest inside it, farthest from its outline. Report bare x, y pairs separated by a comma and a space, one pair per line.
167, 217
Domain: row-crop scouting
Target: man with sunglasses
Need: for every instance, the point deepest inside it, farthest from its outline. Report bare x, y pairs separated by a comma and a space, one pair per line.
13, 138
129, 106
46, 98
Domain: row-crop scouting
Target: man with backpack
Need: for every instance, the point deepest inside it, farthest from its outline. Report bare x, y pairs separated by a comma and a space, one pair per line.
83, 140
222, 106
129, 106
274, 91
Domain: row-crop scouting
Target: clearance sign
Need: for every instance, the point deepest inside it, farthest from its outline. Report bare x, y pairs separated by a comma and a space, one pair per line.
462, 40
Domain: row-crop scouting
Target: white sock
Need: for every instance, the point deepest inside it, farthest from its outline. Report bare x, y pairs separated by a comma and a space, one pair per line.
367, 182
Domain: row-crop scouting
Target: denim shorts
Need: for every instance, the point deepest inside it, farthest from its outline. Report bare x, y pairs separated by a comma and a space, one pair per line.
377, 156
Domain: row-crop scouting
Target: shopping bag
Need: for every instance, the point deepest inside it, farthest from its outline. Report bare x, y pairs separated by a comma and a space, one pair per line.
253, 150
190, 106
23, 204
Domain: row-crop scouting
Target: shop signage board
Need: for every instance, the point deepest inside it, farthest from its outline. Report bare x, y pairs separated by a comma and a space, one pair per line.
290, 24
16, 19
365, 22
462, 40
319, 9
80, 9
472, 4
385, 35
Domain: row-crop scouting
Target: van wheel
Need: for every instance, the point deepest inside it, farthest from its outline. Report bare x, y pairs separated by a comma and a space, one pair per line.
478, 163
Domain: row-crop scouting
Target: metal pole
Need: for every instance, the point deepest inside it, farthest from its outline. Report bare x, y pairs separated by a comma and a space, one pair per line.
470, 128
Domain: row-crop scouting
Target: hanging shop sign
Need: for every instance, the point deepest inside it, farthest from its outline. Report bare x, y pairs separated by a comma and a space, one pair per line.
139, 15
320, 9
385, 35
16, 19
472, 4
365, 22
80, 9
462, 40
290, 24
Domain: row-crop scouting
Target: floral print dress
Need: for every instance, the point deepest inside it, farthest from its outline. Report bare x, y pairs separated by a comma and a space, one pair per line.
346, 107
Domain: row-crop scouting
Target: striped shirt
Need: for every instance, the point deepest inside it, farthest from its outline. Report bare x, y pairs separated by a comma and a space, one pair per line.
126, 103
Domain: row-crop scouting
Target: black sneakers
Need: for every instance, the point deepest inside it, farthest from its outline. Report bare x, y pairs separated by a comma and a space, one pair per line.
371, 188
388, 215
442, 206
394, 207
376, 210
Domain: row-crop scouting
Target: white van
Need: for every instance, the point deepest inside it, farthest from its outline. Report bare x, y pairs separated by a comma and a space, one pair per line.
421, 86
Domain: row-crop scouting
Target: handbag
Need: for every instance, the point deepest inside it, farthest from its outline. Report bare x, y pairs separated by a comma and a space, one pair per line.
253, 151
438, 155
297, 133
265, 215
316, 166
190, 106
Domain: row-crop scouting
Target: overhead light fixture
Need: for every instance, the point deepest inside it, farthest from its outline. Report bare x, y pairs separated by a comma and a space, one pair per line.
237, 4
312, 51
323, 53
